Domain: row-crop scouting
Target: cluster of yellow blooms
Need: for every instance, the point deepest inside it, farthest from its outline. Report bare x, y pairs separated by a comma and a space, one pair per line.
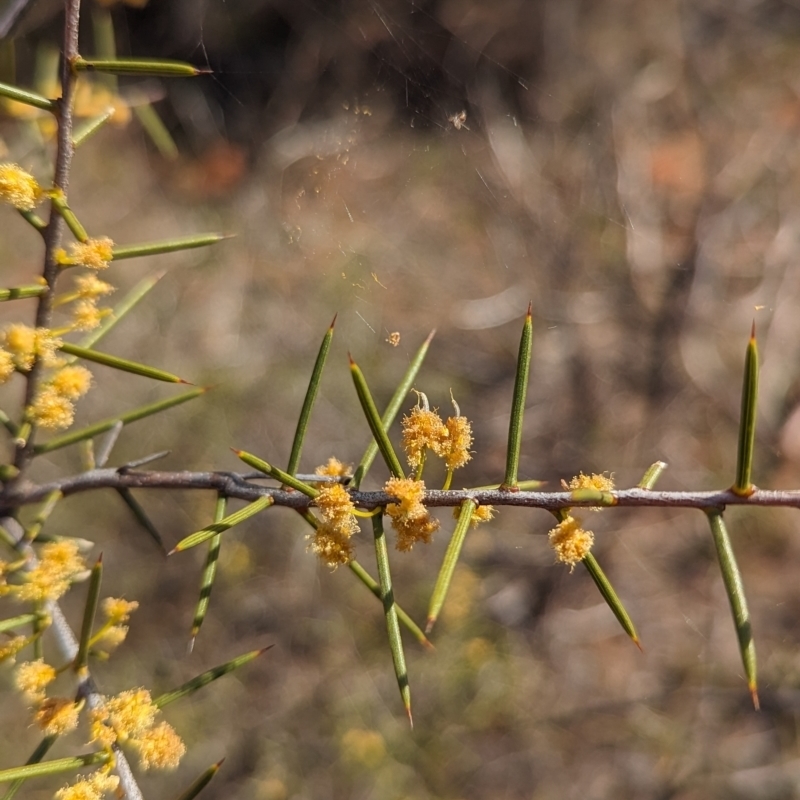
423, 430
59, 565
331, 540
569, 539
410, 519
22, 346
129, 718
54, 404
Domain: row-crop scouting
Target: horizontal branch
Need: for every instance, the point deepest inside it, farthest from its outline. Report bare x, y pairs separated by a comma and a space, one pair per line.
241, 487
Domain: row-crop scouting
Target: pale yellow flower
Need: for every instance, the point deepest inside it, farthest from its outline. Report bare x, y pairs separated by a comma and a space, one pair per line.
91, 787
118, 610
32, 677
93, 253
570, 541
160, 747
57, 716
59, 563
51, 410
18, 187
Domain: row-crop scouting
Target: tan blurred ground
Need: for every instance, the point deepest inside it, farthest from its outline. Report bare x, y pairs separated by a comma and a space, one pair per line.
647, 201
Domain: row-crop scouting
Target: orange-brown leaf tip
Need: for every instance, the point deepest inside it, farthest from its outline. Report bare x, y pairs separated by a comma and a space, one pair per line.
636, 641
530, 309
185, 383
219, 763
333, 321
350, 359
410, 718
99, 560
237, 452
428, 645
754, 695
264, 649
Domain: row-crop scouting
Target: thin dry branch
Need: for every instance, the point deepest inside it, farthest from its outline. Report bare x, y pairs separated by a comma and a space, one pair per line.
240, 486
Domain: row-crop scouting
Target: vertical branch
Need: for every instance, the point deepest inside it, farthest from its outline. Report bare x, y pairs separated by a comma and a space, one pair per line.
54, 231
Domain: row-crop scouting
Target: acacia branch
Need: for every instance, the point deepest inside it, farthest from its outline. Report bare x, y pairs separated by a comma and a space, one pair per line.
241, 486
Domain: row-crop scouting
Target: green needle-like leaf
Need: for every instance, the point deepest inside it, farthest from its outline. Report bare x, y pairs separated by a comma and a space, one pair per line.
375, 588
121, 309
29, 98
209, 572
36, 756
48, 507
61, 206
223, 525
610, 596
190, 687
375, 423
449, 564
22, 292
393, 408
89, 612
91, 126
392, 625
15, 622
747, 422
138, 67
167, 246
141, 517
157, 131
653, 473
518, 404
734, 588
308, 402
275, 472
69, 764
201, 782
131, 416
119, 363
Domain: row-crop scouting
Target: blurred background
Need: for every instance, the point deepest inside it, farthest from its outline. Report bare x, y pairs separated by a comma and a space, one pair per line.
632, 168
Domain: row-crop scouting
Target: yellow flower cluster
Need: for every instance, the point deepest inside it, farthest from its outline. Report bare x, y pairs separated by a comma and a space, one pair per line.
424, 430
54, 404
59, 564
331, 540
26, 345
333, 469
480, 514
410, 519
55, 716
114, 631
570, 541
93, 253
18, 187
130, 718
90, 787
32, 677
